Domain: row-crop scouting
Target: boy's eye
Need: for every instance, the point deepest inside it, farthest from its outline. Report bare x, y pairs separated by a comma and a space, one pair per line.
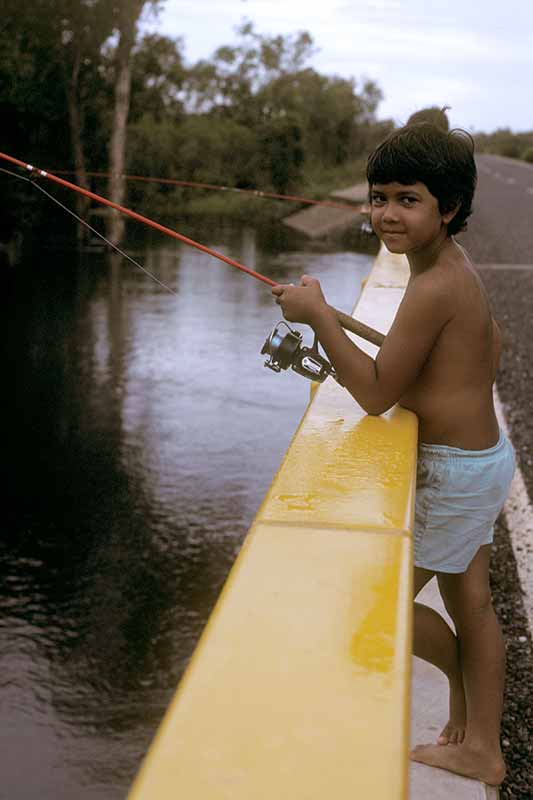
377, 199
408, 201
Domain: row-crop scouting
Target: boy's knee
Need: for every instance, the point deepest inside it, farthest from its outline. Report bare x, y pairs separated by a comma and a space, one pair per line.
465, 602
472, 612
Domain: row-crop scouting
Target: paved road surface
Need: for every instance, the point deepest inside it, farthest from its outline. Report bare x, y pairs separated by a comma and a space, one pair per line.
501, 227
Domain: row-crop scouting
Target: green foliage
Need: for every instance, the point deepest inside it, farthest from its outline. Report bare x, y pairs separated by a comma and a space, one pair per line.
527, 155
504, 142
195, 150
253, 116
158, 75
230, 81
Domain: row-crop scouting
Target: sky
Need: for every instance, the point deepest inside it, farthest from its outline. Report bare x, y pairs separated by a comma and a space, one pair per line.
475, 56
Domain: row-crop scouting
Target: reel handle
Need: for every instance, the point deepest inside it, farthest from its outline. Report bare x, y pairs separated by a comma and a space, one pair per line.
359, 328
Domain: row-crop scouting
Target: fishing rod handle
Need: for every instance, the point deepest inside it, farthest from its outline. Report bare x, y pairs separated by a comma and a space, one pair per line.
359, 328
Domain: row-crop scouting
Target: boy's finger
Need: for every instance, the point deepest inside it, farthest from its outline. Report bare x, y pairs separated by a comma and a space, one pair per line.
280, 288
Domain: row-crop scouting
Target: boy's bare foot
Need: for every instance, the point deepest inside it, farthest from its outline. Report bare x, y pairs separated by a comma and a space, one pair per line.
462, 759
452, 734
454, 731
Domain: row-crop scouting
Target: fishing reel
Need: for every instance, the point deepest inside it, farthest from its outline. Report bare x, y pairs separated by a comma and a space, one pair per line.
286, 350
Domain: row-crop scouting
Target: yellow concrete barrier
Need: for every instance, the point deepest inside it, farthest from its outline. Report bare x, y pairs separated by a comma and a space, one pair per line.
299, 686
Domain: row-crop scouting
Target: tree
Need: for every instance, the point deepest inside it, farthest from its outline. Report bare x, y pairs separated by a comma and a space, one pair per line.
229, 83
157, 79
127, 14
52, 52
82, 27
253, 116
299, 116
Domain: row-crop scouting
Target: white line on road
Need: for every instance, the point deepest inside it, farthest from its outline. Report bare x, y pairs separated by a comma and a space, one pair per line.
519, 517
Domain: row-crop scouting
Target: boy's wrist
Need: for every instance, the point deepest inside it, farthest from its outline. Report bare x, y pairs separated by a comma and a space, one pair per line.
324, 318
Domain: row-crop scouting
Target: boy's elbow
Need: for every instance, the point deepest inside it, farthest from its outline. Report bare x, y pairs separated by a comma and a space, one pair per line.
374, 407
374, 411
373, 397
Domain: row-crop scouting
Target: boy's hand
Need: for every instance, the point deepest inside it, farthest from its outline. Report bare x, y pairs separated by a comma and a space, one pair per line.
304, 303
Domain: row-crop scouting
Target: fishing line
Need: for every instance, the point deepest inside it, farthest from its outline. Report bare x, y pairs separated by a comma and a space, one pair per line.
34, 183
218, 187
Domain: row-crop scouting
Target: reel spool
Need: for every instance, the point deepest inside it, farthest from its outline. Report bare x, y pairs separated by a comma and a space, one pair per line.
286, 350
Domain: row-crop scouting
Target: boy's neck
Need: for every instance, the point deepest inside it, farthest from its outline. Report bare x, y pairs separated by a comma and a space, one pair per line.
422, 260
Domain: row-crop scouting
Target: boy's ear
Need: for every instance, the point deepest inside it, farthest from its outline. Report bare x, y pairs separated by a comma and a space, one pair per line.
451, 212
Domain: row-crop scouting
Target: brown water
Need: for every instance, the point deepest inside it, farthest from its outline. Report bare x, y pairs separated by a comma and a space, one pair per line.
141, 432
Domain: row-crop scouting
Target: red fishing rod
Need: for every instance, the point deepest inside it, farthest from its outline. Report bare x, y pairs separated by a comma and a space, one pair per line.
277, 343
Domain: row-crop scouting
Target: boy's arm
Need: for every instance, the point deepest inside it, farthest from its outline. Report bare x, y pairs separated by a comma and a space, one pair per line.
496, 348
375, 384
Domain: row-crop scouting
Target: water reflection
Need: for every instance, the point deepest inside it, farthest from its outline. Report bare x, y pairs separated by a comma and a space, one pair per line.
141, 432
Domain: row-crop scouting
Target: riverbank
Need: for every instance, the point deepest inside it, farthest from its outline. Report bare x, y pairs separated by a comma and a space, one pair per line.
242, 204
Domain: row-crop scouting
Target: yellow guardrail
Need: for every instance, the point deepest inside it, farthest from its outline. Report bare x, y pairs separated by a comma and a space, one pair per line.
299, 686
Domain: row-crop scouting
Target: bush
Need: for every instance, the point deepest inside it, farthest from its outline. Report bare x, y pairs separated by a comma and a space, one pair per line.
527, 155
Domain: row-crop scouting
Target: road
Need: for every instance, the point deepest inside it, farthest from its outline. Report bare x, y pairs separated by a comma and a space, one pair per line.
500, 240
500, 230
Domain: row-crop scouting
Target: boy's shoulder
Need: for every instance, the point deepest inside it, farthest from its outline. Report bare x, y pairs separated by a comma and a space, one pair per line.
444, 281
447, 297
432, 288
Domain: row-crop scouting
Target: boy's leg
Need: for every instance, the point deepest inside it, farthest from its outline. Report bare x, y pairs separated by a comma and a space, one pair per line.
434, 641
482, 653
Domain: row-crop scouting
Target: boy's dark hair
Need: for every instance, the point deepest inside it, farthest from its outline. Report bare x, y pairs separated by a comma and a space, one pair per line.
443, 161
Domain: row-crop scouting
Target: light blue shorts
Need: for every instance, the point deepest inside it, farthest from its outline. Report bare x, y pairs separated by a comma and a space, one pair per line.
459, 495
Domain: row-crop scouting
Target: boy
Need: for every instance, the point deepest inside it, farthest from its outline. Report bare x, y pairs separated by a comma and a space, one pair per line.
438, 360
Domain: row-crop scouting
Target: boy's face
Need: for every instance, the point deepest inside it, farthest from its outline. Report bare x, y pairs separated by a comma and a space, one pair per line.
406, 218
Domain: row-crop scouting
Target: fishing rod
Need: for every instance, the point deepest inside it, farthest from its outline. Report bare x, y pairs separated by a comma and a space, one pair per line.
291, 198
282, 351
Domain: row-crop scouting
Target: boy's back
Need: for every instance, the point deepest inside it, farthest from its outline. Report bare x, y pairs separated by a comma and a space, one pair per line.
452, 395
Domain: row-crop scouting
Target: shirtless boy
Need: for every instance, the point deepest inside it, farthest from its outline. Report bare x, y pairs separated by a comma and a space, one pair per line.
439, 360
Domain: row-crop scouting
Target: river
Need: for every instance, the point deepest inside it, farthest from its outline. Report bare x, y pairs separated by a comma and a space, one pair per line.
141, 432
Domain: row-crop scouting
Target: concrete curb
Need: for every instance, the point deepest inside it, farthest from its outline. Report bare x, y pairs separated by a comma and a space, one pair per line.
429, 714
353, 194
320, 221
519, 517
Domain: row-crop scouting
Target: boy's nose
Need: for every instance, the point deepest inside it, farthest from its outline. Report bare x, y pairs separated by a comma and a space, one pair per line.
389, 214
